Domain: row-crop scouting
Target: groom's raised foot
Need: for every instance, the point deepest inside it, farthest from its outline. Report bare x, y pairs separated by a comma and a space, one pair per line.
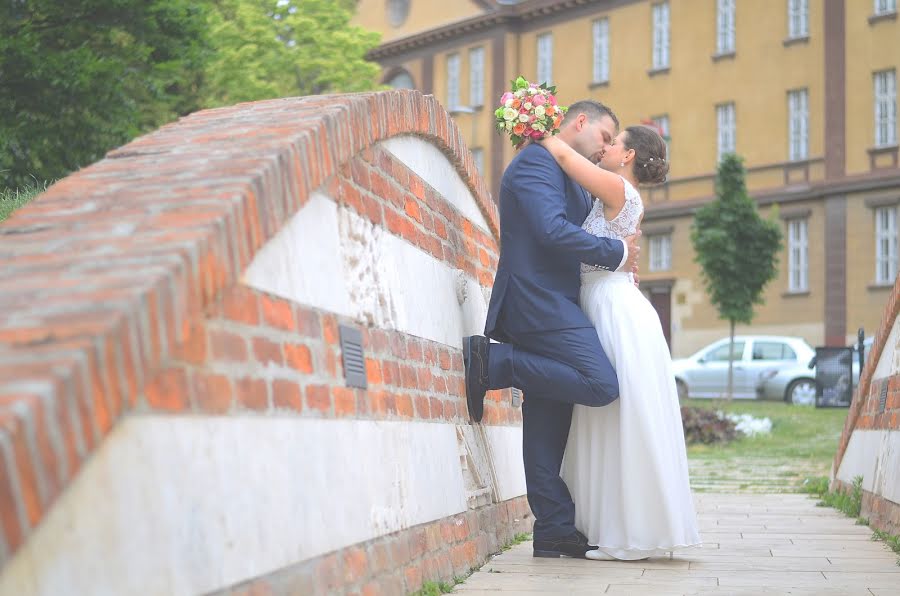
475, 359
573, 545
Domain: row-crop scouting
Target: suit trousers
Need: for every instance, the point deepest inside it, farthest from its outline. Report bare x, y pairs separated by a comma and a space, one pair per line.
555, 370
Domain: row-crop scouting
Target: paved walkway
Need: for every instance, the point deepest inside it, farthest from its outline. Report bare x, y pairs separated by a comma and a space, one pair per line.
755, 544
753, 474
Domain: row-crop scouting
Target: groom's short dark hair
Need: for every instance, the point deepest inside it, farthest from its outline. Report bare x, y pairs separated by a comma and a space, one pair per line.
591, 108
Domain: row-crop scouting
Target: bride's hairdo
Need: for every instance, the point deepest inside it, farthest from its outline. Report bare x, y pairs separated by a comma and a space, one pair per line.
650, 164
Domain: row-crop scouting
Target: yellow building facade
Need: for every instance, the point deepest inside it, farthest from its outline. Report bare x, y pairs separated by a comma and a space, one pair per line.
804, 90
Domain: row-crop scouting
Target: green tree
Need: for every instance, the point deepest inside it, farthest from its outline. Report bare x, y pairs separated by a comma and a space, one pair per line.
78, 77
736, 249
279, 48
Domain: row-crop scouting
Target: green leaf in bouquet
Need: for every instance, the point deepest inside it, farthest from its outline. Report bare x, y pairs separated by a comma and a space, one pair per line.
520, 83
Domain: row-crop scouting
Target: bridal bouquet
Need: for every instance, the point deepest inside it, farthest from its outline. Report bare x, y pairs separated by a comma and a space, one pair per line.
529, 111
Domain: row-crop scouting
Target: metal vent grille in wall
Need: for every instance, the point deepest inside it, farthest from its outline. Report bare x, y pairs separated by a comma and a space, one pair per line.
353, 357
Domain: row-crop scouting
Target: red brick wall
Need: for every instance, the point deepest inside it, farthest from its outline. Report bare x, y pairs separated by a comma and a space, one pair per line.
866, 414
119, 286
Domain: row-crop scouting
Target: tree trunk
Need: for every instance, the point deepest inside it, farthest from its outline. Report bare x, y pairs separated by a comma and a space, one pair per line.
730, 391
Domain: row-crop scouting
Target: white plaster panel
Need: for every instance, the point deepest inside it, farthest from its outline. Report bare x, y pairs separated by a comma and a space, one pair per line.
174, 505
433, 167
889, 361
330, 258
505, 444
304, 259
874, 455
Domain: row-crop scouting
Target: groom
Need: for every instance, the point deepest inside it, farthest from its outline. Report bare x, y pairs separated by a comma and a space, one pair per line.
549, 349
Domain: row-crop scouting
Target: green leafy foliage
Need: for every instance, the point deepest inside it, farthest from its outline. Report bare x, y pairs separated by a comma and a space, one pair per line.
12, 199
281, 48
82, 76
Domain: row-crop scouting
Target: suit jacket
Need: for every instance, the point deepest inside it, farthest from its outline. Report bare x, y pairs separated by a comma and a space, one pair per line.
542, 247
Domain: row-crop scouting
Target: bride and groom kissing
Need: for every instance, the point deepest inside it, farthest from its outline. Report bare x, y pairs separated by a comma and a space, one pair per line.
603, 445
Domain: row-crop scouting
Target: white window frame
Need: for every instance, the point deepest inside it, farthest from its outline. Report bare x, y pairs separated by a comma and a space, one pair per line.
798, 124
600, 29
798, 18
798, 255
661, 36
545, 58
885, 93
885, 7
476, 77
662, 122
727, 130
660, 252
885, 245
724, 26
453, 70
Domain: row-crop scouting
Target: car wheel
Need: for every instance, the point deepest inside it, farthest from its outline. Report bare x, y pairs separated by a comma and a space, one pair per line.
682, 388
801, 392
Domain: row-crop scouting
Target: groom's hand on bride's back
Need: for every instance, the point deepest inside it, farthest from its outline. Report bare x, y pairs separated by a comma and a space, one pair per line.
634, 251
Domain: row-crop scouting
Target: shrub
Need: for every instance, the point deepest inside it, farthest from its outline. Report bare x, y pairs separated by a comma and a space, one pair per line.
706, 426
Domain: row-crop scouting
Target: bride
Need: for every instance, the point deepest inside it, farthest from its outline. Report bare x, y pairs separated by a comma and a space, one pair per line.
625, 464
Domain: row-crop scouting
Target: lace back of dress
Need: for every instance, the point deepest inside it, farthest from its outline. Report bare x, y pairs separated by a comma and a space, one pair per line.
622, 225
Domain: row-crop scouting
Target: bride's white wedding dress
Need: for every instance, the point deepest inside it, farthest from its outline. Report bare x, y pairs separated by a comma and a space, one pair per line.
626, 463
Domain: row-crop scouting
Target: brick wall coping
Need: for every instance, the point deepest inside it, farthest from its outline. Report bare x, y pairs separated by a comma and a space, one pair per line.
101, 275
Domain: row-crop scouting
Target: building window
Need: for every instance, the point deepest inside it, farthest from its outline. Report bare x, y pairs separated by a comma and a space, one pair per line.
798, 18
545, 58
798, 124
452, 81
726, 136
662, 123
476, 77
885, 108
478, 158
885, 244
798, 255
724, 26
661, 35
885, 6
601, 51
397, 11
660, 252
401, 80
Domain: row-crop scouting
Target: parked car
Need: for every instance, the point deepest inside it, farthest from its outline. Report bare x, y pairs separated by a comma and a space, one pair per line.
765, 367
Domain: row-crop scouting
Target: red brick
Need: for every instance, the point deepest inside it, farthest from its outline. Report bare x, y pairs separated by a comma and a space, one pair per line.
422, 408
418, 543
356, 565
344, 401
412, 210
212, 392
437, 408
169, 391
373, 372
444, 359
9, 520
14, 428
391, 371
424, 379
318, 398
193, 349
286, 395
252, 394
413, 578
404, 405
380, 558
308, 323
439, 384
239, 304
381, 403
330, 329
298, 357
227, 346
408, 376
414, 350
400, 550
460, 529
278, 313
265, 351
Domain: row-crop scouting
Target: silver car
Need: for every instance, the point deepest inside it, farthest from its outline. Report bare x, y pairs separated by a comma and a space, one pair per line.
765, 367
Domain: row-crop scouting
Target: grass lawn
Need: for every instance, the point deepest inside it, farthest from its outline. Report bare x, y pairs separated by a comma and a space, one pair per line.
802, 444
10, 200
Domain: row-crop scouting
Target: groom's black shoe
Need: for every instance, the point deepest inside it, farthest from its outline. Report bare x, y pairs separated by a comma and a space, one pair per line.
573, 545
475, 359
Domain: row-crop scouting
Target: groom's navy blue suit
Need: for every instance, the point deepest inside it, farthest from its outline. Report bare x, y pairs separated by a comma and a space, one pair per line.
549, 350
